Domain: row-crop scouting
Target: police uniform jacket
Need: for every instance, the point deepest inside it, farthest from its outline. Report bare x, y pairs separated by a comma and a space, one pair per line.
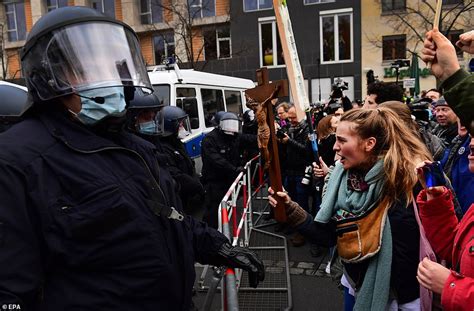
81, 223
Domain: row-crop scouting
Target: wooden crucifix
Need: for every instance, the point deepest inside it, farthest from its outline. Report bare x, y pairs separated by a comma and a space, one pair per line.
260, 99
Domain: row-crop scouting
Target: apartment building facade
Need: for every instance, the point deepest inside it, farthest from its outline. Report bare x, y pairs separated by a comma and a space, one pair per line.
327, 34
394, 29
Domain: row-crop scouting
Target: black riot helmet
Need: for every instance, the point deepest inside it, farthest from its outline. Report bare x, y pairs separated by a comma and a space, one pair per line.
144, 115
176, 122
13, 105
75, 49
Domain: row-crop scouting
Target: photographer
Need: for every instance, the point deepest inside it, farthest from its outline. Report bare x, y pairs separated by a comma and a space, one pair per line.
420, 110
337, 98
298, 158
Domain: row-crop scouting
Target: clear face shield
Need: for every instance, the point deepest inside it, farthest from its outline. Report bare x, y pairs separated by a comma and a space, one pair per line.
87, 56
150, 122
184, 128
230, 126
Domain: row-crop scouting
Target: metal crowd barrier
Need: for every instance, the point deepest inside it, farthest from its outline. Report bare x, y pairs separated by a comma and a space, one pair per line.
239, 232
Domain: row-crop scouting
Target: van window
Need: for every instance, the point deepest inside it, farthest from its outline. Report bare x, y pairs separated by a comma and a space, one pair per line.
186, 100
233, 102
163, 93
212, 101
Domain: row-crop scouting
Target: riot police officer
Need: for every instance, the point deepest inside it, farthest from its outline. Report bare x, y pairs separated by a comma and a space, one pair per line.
84, 222
221, 162
176, 127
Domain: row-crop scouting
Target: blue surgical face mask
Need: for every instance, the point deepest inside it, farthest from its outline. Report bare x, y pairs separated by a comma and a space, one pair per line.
92, 112
148, 128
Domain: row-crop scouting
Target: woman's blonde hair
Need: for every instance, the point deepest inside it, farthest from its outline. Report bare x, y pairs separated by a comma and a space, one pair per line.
397, 144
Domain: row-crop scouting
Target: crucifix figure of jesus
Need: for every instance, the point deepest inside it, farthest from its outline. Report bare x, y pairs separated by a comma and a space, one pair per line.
260, 101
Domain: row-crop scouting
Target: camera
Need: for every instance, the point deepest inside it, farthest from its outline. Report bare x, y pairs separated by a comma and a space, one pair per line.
308, 174
419, 109
280, 133
316, 106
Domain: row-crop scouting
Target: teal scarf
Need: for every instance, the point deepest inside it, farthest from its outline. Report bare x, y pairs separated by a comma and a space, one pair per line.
374, 292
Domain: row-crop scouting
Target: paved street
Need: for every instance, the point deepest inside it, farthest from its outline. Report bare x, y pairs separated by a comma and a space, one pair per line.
312, 288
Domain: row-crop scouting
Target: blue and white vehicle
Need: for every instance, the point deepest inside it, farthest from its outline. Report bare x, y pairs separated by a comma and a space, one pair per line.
201, 95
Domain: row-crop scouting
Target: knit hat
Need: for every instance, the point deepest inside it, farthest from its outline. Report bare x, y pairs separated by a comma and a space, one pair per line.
441, 102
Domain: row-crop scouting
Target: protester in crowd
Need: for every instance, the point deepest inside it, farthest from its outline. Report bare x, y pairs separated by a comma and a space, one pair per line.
447, 128
433, 94
297, 160
455, 164
327, 137
379, 92
432, 142
457, 84
452, 241
356, 104
282, 114
376, 173
85, 223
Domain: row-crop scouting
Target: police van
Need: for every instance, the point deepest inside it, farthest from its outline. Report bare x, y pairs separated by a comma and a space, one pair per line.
200, 95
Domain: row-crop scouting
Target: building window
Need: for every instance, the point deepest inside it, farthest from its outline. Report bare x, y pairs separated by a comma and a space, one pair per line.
233, 102
106, 7
320, 90
256, 5
151, 11
393, 5
55, 4
271, 52
217, 43
16, 21
317, 1
163, 46
394, 47
453, 36
202, 8
337, 37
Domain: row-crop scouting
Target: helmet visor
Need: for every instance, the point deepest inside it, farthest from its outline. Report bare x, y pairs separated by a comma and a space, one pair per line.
184, 128
92, 55
230, 125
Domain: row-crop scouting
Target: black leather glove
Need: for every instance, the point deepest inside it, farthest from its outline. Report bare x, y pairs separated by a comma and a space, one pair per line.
245, 259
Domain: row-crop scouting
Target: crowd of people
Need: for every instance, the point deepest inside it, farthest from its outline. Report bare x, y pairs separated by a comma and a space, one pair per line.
101, 206
403, 229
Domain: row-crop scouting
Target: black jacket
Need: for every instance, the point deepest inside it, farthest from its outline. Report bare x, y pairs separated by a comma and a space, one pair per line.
78, 222
221, 156
298, 150
182, 170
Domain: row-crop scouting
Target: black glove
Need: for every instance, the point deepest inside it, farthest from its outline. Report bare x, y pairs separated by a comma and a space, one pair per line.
245, 259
